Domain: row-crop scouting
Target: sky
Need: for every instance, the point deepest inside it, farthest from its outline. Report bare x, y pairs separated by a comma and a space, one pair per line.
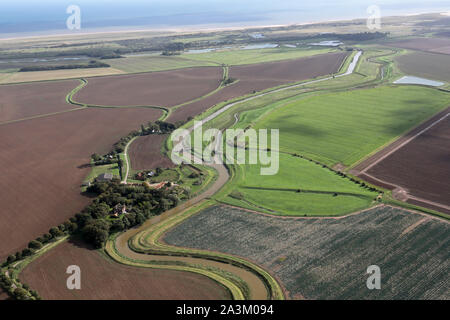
28, 16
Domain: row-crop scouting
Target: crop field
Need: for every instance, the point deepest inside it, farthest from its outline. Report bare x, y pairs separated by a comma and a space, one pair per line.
253, 56
134, 64
264, 76
145, 153
44, 162
57, 75
421, 166
299, 188
27, 100
436, 45
327, 258
104, 279
347, 126
426, 65
166, 88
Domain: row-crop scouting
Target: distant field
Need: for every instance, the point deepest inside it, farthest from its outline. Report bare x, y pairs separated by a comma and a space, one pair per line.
427, 65
20, 101
262, 76
422, 166
133, 64
57, 75
328, 258
323, 192
104, 279
165, 88
437, 45
347, 126
239, 57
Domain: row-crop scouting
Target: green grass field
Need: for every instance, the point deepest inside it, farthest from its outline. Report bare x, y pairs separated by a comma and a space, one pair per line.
323, 192
239, 57
250, 111
347, 126
97, 170
155, 63
149, 63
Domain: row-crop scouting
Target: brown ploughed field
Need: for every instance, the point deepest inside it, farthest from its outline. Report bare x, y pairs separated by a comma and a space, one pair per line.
258, 77
103, 279
437, 45
3, 295
166, 88
33, 99
422, 166
43, 163
145, 153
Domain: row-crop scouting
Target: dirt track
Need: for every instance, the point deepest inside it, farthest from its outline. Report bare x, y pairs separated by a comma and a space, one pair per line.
166, 88
104, 279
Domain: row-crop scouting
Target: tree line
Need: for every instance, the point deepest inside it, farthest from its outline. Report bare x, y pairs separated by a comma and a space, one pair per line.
91, 64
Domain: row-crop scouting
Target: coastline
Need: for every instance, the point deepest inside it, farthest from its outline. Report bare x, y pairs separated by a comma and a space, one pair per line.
187, 29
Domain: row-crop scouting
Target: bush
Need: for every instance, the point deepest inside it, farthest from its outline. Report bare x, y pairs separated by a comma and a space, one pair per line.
96, 232
55, 232
35, 245
27, 252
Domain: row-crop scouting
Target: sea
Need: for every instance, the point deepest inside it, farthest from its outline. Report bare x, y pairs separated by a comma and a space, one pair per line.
22, 18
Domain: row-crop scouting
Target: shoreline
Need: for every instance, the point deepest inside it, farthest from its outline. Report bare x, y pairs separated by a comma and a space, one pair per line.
193, 28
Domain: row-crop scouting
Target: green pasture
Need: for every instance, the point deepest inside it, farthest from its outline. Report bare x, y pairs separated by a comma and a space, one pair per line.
345, 127
239, 57
367, 73
135, 64
301, 187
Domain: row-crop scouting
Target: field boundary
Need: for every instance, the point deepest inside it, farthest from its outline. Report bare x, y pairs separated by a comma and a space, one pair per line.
401, 141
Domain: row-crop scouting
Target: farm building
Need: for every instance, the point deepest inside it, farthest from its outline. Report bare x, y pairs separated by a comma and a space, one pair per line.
105, 177
118, 210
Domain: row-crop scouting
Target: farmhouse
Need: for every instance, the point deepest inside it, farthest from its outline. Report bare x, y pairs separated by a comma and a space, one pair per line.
118, 210
105, 177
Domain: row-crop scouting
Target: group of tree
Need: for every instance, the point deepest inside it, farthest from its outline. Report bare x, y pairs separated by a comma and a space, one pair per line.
361, 36
91, 64
142, 203
158, 127
16, 290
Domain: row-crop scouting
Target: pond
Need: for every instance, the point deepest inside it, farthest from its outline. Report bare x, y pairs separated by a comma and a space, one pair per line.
332, 43
417, 80
259, 46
